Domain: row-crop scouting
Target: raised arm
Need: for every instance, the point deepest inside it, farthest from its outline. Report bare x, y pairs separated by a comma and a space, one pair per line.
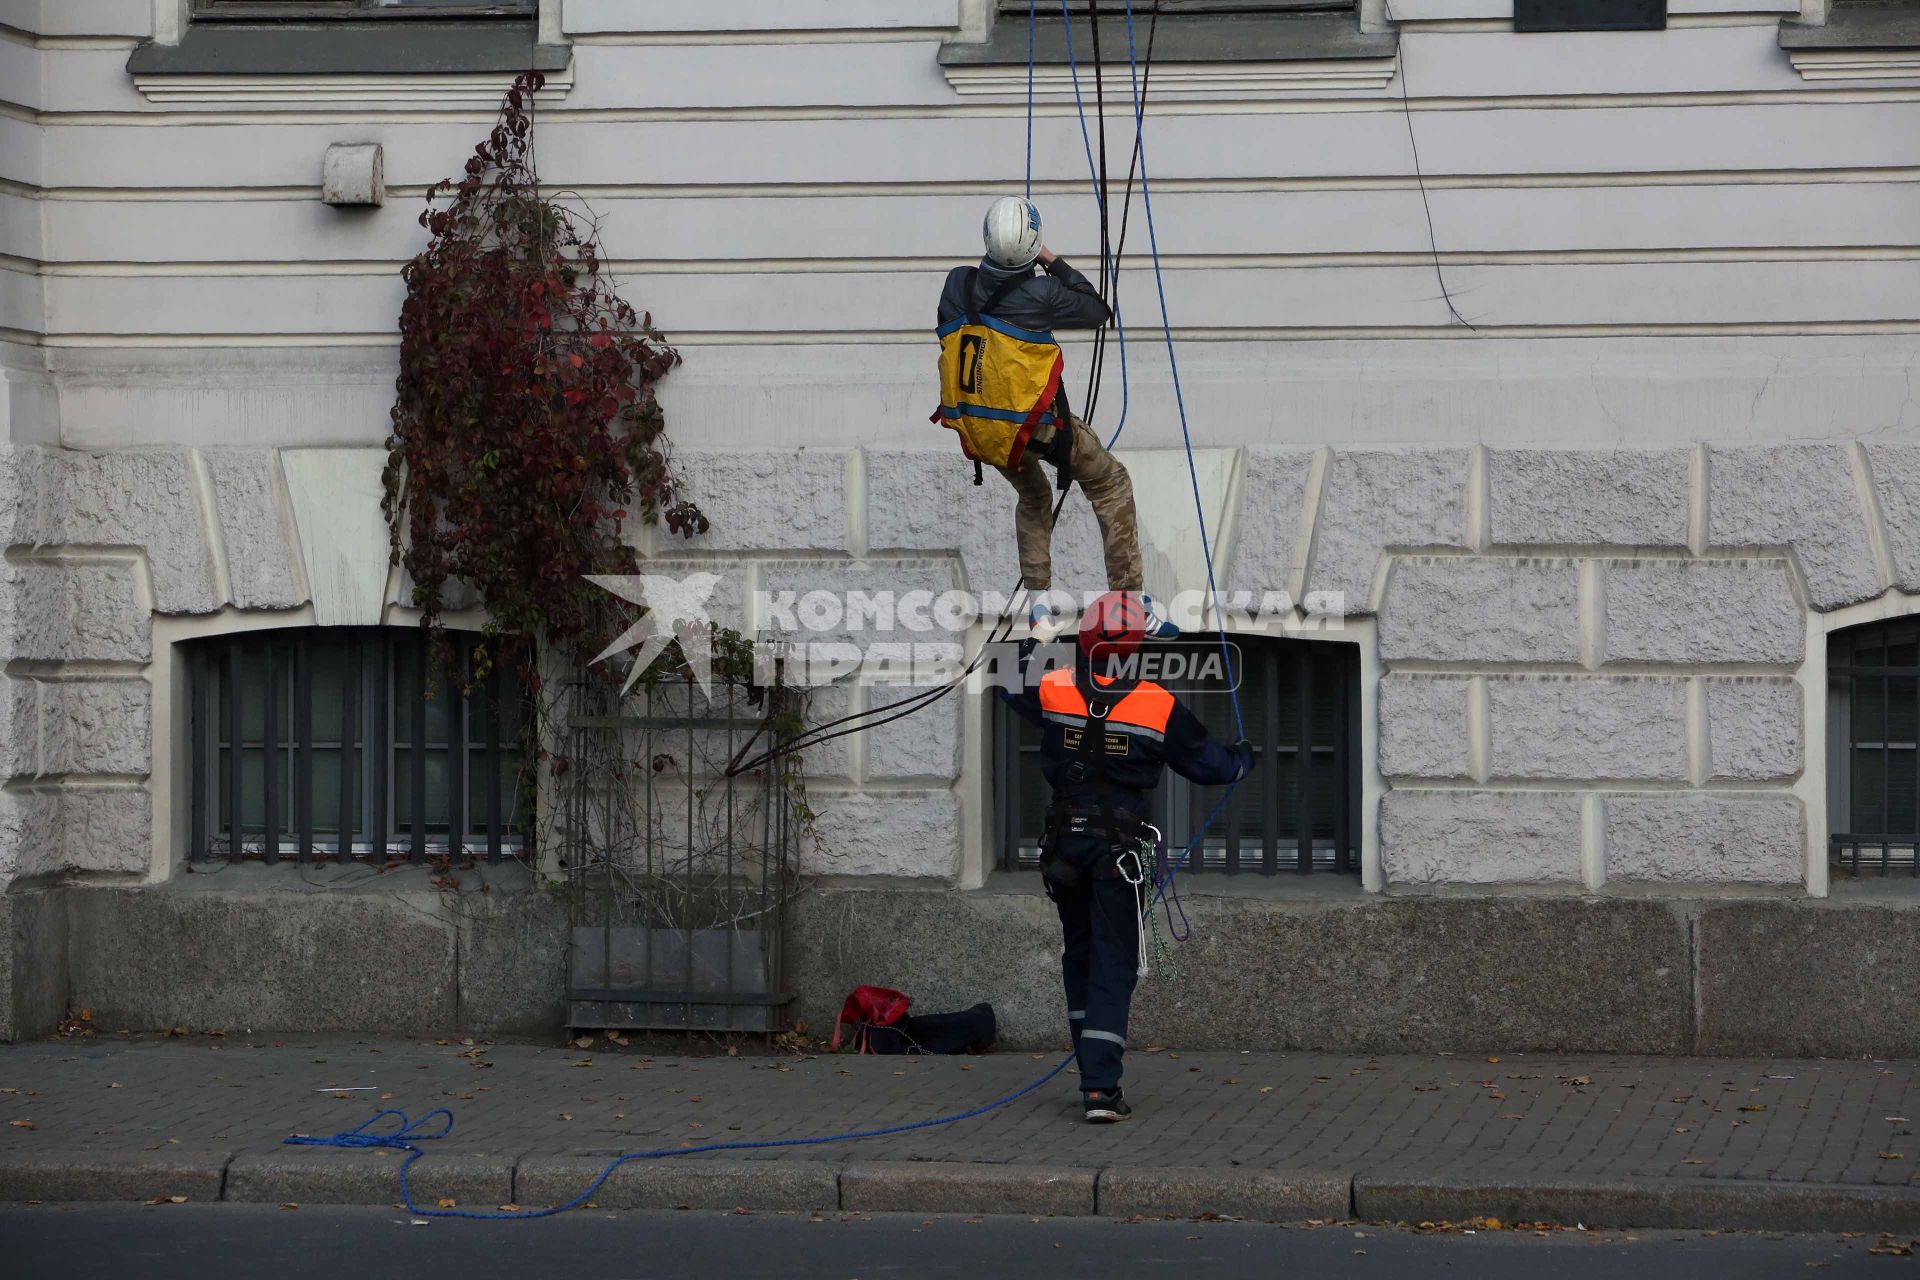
1070, 296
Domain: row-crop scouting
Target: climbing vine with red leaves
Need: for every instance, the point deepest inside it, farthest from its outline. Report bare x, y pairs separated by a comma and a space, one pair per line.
526, 429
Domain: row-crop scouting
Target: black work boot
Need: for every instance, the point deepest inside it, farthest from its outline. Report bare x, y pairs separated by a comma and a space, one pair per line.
1106, 1106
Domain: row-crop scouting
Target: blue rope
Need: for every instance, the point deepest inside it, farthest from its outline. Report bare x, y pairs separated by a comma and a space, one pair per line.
410, 1134
1031, 6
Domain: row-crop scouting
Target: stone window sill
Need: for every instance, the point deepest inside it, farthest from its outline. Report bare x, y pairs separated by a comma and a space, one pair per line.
1857, 43
1245, 58
1285, 887
440, 63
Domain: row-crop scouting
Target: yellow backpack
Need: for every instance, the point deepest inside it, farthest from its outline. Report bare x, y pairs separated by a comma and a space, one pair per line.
997, 383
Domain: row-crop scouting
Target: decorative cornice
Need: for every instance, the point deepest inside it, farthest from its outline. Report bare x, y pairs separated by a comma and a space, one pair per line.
1856, 64
1225, 81
483, 89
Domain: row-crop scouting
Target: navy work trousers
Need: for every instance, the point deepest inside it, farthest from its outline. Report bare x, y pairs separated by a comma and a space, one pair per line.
1099, 964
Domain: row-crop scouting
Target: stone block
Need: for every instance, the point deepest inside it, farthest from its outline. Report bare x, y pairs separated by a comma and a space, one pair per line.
1696, 838
1895, 469
759, 1185
71, 610
1423, 726
924, 500
893, 833
107, 829
325, 1175
723, 591
1273, 488
1702, 611
881, 612
767, 499
1755, 729
940, 1186
29, 495
19, 726
1798, 496
1265, 1195
96, 726
1439, 1195
265, 955
511, 932
1466, 609
1578, 728
1364, 974
72, 1176
924, 746
146, 500
1374, 501
29, 833
253, 529
831, 761
1588, 497
1480, 837
1827, 978
33, 963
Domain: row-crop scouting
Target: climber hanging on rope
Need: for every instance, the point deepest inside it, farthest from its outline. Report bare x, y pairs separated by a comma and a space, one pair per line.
1106, 736
1001, 391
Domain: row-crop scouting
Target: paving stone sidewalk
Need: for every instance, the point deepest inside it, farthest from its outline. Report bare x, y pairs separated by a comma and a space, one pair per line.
1606, 1141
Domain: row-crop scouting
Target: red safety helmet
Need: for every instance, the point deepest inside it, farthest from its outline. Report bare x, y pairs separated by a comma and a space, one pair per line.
1113, 627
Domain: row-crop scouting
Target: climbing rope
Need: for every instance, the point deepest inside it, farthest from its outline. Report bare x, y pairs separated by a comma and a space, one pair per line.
410, 1133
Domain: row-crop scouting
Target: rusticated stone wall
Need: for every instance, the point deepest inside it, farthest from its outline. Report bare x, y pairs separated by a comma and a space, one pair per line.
1592, 666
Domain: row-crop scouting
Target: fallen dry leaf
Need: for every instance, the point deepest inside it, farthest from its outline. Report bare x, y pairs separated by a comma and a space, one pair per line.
509, 1207
168, 1200
288, 1204
23, 1124
1754, 1106
445, 1202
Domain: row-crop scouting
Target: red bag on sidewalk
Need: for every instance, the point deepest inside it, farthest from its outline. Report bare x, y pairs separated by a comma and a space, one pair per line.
869, 1007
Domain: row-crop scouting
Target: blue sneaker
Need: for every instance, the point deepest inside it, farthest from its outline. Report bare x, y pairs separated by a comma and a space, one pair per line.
1158, 627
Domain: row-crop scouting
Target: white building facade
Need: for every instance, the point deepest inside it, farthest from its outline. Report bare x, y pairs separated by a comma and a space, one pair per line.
1597, 421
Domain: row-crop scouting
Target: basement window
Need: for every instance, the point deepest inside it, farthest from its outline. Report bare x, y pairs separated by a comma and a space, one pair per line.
307, 38
1299, 810
1873, 748
1222, 49
334, 743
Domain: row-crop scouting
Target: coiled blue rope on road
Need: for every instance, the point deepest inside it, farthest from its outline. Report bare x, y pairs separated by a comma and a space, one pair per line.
410, 1133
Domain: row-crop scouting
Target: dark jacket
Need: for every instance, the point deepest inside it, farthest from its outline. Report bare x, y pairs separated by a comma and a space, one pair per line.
1133, 763
1060, 299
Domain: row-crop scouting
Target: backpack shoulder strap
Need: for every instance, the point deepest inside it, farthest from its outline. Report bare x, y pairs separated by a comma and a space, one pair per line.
994, 299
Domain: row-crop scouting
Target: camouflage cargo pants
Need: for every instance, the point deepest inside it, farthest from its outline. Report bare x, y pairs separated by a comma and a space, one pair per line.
1107, 486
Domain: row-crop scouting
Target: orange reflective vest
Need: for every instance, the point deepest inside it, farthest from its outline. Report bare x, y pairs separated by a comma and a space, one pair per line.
1143, 711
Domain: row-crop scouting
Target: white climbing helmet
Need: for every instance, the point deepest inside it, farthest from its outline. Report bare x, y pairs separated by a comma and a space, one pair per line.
1012, 232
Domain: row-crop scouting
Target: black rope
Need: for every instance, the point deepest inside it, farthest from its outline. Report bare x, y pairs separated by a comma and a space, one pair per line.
1110, 256
1433, 243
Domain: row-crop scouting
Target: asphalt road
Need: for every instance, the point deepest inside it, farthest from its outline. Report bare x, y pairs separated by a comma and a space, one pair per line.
196, 1241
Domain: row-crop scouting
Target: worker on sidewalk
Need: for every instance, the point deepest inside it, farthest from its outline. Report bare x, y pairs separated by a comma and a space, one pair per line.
1107, 735
1001, 390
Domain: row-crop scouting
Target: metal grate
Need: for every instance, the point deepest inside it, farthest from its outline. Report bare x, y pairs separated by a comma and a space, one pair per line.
678, 874
1298, 811
1873, 732
328, 744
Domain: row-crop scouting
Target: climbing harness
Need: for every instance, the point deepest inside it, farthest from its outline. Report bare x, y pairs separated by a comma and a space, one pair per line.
408, 1134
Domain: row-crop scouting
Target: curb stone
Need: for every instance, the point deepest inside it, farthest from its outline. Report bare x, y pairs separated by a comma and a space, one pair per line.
106, 1175
321, 1175
1650, 1202
680, 1184
952, 1187
1270, 1194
